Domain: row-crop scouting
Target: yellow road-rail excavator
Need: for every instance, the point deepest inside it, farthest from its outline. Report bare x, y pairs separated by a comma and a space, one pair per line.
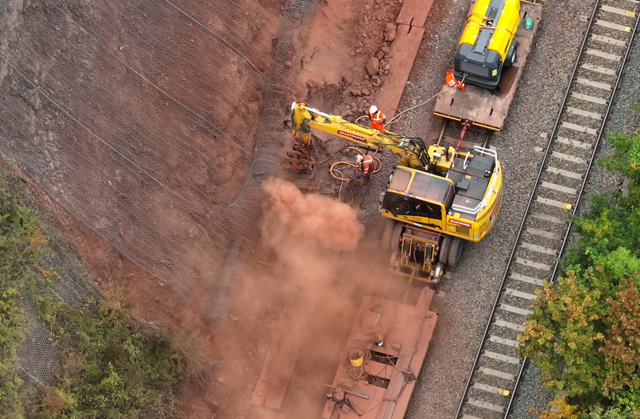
488, 43
437, 197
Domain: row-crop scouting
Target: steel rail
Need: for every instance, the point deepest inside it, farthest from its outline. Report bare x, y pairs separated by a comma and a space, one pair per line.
532, 196
582, 187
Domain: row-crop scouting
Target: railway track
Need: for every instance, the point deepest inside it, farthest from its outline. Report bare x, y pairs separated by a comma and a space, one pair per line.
543, 232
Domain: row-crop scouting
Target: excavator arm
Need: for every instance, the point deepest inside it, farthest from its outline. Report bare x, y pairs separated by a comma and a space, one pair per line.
411, 151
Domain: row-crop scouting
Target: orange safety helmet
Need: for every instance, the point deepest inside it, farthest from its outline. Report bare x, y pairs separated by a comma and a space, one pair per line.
453, 82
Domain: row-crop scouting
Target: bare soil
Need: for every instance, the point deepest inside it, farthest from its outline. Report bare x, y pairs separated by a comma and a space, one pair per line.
335, 75
343, 38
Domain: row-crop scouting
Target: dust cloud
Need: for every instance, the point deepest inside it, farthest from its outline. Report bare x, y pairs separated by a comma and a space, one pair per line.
301, 299
314, 219
296, 304
312, 239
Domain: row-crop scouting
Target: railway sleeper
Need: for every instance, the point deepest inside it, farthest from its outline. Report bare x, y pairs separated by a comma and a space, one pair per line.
494, 378
581, 148
589, 90
549, 196
589, 106
598, 71
483, 391
516, 301
544, 209
521, 287
483, 411
500, 345
554, 177
534, 251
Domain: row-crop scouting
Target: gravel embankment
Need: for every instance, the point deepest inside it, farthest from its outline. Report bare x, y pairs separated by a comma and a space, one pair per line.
465, 300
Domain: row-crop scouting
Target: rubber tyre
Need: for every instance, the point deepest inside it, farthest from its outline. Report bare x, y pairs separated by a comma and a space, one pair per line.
455, 252
444, 249
511, 56
396, 235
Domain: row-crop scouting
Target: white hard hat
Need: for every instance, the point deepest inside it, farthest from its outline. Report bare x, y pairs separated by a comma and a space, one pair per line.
373, 109
359, 158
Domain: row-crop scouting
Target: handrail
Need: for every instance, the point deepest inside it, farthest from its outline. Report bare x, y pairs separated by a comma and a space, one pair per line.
475, 210
464, 163
483, 203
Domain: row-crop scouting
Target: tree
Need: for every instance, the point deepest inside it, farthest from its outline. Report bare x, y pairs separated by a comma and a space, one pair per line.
585, 330
559, 408
597, 412
585, 333
626, 158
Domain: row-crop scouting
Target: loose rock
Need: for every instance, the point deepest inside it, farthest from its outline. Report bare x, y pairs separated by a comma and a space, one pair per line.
390, 32
372, 66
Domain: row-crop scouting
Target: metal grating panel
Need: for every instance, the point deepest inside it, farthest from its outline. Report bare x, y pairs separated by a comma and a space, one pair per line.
474, 69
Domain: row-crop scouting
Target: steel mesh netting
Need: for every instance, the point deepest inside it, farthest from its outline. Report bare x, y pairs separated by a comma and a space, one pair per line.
74, 286
38, 357
140, 119
243, 213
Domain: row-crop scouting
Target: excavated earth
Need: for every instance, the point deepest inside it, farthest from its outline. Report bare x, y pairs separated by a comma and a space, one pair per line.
341, 68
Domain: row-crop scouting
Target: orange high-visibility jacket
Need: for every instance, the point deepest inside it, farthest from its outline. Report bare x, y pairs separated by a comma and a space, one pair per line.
377, 120
367, 162
453, 82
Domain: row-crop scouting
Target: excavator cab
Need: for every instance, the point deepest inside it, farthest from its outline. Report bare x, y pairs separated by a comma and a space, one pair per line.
416, 196
460, 198
488, 43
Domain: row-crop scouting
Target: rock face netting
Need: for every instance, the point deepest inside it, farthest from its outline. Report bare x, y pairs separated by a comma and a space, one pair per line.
154, 122
74, 286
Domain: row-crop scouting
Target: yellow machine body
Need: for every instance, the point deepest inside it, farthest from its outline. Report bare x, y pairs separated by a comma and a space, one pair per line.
460, 203
451, 193
504, 23
488, 43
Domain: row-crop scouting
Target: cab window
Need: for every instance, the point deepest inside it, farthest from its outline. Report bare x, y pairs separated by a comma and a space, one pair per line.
425, 209
397, 204
403, 205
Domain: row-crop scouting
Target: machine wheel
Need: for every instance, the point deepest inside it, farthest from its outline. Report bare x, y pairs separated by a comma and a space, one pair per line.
511, 55
386, 234
444, 249
438, 272
396, 234
455, 252
393, 262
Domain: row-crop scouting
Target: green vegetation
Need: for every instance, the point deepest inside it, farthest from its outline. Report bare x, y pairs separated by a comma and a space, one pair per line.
585, 330
560, 408
110, 368
20, 243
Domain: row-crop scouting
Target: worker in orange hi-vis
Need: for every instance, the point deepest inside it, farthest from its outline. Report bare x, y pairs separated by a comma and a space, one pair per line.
453, 82
378, 119
364, 166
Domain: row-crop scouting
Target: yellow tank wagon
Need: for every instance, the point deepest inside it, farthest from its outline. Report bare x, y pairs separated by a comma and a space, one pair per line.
488, 43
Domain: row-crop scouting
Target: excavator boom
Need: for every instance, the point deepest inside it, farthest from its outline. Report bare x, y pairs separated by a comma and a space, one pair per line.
411, 151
